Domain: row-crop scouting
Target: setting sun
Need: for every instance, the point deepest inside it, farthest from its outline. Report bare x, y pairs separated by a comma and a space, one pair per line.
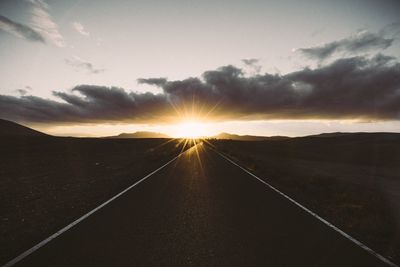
190, 129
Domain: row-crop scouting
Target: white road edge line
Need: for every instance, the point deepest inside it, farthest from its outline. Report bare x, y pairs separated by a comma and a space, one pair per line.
69, 226
358, 243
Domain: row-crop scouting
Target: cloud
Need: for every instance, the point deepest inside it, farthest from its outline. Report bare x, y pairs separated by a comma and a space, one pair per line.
94, 103
24, 91
21, 91
392, 29
253, 64
43, 23
363, 88
80, 64
20, 30
250, 61
361, 42
153, 81
80, 29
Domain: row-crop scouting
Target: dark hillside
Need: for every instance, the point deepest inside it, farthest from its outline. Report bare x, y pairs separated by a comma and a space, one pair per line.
12, 129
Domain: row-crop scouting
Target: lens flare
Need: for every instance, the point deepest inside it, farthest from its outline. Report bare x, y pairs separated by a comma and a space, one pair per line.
190, 129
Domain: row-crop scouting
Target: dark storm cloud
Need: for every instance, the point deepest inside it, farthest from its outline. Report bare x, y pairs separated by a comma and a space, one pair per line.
361, 42
92, 103
350, 88
20, 30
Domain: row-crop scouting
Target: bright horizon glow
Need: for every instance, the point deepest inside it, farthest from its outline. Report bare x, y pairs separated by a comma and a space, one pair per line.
290, 128
190, 129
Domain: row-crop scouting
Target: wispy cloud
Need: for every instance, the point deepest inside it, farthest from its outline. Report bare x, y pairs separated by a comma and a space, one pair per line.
362, 41
153, 81
24, 91
253, 63
359, 87
80, 29
42, 22
82, 65
20, 30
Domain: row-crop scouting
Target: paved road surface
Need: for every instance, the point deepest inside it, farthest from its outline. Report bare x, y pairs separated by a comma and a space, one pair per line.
201, 210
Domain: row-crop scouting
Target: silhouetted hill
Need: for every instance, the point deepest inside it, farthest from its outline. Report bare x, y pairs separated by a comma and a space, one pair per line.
12, 129
229, 136
355, 137
140, 135
334, 134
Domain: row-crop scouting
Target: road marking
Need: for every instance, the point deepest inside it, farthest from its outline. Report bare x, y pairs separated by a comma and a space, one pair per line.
69, 226
358, 243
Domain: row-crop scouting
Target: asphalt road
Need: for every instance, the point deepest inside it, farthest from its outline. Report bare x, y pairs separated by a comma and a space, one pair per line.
200, 210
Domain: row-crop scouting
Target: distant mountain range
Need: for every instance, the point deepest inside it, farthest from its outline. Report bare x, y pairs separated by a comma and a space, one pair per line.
11, 129
248, 137
227, 136
140, 135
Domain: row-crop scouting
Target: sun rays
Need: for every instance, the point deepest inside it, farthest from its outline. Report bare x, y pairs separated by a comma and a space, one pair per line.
192, 119
191, 127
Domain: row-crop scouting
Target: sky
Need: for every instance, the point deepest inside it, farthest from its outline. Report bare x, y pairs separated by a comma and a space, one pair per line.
95, 68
